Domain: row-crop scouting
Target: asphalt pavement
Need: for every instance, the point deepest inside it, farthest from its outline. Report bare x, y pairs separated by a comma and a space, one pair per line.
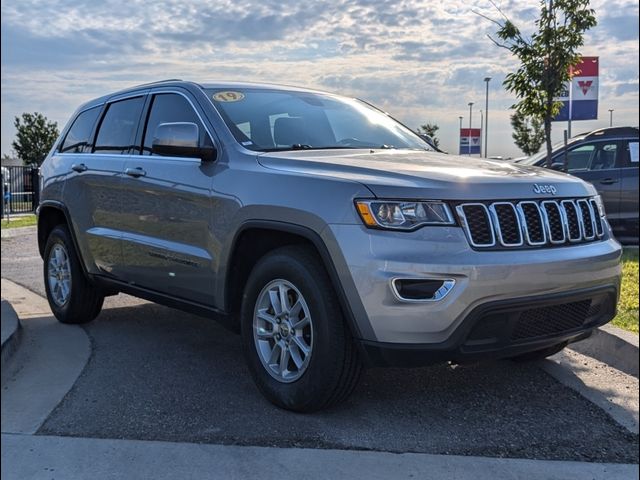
159, 374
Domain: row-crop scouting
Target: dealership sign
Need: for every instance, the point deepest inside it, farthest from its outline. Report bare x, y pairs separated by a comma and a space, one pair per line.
580, 97
469, 141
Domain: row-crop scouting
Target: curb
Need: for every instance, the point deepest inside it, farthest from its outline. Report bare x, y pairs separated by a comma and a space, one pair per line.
613, 346
11, 335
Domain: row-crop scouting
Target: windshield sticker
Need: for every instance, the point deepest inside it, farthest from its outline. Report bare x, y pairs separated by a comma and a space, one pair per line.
228, 96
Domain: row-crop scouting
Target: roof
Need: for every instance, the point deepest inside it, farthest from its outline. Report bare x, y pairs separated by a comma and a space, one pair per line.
176, 82
610, 132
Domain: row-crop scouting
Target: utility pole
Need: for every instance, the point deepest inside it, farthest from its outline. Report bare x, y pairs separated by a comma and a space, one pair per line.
470, 117
486, 115
460, 135
611, 117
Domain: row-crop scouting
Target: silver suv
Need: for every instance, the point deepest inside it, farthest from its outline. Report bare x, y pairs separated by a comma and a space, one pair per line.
328, 234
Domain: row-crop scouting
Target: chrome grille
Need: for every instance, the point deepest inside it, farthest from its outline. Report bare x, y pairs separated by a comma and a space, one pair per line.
555, 222
530, 223
510, 231
479, 226
573, 220
596, 213
586, 215
533, 221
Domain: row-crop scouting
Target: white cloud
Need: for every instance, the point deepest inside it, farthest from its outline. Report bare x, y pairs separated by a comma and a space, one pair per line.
421, 61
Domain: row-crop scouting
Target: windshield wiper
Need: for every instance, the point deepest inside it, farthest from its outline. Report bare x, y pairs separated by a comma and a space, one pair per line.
302, 146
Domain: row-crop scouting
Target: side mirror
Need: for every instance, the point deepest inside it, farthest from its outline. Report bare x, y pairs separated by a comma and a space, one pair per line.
427, 138
557, 166
180, 139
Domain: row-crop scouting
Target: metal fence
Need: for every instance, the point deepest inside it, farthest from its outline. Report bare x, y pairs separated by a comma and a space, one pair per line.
19, 190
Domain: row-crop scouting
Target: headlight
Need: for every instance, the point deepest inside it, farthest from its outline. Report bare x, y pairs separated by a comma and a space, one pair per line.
398, 215
600, 204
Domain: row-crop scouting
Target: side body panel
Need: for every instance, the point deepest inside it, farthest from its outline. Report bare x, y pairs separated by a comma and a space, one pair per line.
629, 193
94, 203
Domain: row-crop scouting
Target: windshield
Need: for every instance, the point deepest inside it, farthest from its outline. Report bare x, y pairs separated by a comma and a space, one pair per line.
271, 120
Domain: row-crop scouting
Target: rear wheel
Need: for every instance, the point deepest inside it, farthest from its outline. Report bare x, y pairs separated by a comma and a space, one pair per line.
72, 298
297, 345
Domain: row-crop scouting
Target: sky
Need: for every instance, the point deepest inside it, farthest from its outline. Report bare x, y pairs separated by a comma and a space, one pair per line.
421, 61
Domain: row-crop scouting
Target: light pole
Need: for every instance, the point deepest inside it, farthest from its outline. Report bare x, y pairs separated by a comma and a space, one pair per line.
611, 117
460, 135
486, 116
482, 126
470, 117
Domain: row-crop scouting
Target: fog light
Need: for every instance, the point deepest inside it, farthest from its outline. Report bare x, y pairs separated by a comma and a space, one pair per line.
421, 289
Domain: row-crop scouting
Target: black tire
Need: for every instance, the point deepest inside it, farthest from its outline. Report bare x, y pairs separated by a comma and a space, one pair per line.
539, 354
84, 301
334, 368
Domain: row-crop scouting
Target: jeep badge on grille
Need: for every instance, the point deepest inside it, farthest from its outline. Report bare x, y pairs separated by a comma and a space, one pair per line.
542, 189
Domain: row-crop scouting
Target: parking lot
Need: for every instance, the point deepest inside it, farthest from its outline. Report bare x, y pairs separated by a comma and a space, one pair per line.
159, 374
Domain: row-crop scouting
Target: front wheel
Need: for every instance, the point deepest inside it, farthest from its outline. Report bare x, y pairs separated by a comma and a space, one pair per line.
296, 342
72, 298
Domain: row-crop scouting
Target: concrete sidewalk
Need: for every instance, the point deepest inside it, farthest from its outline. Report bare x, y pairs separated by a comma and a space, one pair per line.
42, 457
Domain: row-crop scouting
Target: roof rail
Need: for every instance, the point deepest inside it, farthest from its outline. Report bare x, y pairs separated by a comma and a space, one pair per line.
160, 81
612, 131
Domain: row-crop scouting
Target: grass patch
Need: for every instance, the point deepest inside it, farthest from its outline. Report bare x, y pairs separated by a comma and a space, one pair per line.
627, 317
21, 221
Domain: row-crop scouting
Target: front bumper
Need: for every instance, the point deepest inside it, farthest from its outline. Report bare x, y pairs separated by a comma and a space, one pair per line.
368, 261
507, 328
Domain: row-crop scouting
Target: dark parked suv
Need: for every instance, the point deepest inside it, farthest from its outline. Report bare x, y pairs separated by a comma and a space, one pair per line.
330, 235
607, 158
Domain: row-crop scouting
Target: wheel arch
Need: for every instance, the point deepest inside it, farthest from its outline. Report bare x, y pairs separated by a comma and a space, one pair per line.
255, 238
51, 214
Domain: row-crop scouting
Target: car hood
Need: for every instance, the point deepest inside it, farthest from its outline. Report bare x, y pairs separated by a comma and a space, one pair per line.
417, 174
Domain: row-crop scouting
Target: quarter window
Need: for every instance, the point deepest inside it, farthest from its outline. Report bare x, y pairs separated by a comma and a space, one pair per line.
78, 139
118, 128
169, 108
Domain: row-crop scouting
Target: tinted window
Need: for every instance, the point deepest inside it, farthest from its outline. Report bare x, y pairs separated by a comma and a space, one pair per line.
77, 140
118, 128
630, 154
592, 156
604, 158
579, 158
168, 108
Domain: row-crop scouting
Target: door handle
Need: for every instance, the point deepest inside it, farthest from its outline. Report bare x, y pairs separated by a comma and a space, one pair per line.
608, 181
135, 172
79, 167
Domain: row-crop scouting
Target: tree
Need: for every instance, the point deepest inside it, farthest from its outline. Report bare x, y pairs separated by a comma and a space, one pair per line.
546, 58
430, 129
35, 136
528, 133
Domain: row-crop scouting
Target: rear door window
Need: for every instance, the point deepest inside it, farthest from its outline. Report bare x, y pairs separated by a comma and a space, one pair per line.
78, 138
591, 156
118, 128
604, 157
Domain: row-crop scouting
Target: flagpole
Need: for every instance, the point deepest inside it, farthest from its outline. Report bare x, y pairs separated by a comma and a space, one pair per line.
470, 117
570, 102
